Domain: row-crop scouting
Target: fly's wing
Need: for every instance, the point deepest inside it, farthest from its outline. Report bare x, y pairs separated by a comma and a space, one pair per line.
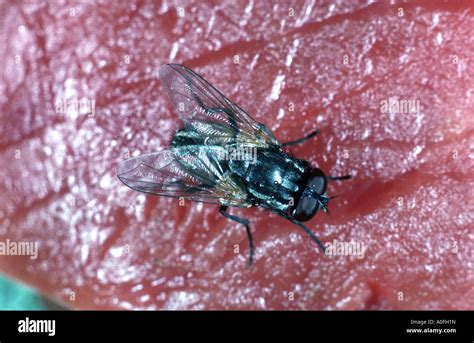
196, 173
207, 113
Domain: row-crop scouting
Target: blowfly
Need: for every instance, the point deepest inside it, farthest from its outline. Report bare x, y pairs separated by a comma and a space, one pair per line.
221, 155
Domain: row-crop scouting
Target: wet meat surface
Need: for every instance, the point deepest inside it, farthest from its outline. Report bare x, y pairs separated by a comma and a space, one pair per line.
79, 91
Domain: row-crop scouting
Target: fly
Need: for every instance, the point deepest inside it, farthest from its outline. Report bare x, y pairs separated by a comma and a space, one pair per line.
221, 155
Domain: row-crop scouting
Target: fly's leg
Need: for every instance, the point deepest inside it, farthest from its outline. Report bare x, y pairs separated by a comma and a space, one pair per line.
244, 222
301, 140
339, 178
305, 229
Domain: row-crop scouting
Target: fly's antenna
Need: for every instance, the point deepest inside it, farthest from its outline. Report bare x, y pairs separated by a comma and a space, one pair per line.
326, 209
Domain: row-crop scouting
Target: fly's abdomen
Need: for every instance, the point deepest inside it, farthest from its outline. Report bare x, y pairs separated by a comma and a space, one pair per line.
273, 178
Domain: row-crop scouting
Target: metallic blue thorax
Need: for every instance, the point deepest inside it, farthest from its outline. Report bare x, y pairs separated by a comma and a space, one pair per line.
274, 178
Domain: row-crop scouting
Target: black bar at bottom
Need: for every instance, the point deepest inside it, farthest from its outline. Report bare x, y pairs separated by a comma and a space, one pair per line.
309, 326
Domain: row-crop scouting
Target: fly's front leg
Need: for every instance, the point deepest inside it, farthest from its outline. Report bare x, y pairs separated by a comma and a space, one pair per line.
339, 178
301, 140
244, 222
305, 229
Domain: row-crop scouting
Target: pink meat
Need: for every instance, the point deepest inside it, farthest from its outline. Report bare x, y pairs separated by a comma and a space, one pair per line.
324, 66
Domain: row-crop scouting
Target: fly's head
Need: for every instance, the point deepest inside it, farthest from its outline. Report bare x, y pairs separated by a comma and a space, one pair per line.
313, 198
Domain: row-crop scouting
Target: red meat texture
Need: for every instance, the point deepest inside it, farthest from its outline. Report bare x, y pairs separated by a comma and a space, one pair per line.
389, 86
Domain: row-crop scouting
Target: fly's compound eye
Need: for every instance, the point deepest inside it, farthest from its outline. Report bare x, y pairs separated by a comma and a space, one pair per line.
313, 197
317, 182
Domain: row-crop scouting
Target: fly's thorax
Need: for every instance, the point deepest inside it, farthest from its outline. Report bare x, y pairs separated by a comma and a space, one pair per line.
274, 177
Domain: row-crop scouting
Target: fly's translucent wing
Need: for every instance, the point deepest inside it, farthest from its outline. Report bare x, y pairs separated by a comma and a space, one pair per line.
208, 114
194, 172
